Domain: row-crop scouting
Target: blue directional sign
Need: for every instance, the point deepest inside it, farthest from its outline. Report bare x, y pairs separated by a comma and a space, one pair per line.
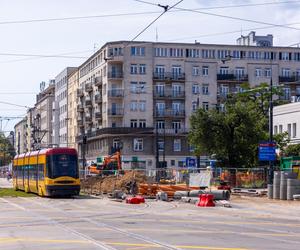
190, 162
267, 151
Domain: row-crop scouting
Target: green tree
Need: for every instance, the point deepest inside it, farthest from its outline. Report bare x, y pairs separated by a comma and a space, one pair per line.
6, 150
292, 150
232, 136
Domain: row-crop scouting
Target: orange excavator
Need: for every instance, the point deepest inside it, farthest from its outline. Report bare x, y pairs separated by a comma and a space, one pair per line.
110, 164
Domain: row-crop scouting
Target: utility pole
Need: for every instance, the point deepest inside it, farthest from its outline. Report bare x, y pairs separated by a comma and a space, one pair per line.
271, 167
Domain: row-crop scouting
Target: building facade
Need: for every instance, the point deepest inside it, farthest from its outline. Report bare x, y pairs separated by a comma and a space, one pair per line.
140, 95
286, 118
20, 131
60, 107
73, 86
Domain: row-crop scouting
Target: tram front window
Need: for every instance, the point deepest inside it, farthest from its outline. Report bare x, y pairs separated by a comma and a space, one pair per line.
62, 165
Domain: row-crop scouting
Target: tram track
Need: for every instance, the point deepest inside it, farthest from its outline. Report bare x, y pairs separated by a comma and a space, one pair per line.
115, 229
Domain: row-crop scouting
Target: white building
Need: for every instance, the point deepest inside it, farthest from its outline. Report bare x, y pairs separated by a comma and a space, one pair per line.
286, 118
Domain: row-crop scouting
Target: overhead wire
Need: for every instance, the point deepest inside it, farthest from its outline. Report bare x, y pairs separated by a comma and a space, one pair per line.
140, 13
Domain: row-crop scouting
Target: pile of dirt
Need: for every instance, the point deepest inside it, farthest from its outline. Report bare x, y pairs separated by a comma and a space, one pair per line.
107, 184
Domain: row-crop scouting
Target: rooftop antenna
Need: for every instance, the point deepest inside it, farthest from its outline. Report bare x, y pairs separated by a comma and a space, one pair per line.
156, 35
95, 47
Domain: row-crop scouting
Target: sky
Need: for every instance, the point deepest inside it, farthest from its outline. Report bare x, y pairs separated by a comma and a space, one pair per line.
79, 38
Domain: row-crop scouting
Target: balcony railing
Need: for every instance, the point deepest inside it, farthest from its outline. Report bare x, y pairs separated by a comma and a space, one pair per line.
98, 98
116, 111
88, 87
169, 93
98, 115
289, 78
169, 113
169, 76
98, 80
232, 77
114, 75
117, 130
88, 103
80, 108
79, 92
115, 93
172, 131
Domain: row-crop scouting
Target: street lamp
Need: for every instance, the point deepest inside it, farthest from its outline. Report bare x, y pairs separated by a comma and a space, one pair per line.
271, 168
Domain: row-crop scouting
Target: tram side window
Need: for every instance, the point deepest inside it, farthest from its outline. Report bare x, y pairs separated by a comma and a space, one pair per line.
25, 170
41, 171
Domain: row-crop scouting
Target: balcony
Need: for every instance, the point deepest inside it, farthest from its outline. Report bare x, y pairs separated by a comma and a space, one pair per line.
80, 122
169, 93
115, 75
98, 115
88, 119
79, 93
232, 77
80, 108
116, 112
169, 76
88, 87
98, 98
98, 81
115, 93
117, 131
88, 103
169, 113
172, 131
289, 78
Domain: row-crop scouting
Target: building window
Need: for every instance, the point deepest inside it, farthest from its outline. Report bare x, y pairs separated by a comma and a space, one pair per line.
161, 144
138, 51
258, 72
205, 106
142, 105
116, 143
142, 69
133, 106
275, 130
194, 105
142, 123
133, 87
294, 130
160, 124
133, 123
289, 130
280, 129
172, 163
196, 71
286, 72
133, 69
205, 70
177, 145
138, 144
142, 87
205, 89
224, 71
195, 89
161, 52
268, 72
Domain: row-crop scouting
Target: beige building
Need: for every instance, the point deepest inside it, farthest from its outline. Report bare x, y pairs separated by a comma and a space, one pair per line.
140, 95
20, 131
73, 85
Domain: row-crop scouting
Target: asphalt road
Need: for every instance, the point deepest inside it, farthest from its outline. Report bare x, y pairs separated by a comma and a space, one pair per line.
99, 223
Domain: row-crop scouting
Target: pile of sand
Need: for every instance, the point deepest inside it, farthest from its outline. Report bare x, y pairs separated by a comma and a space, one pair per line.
107, 184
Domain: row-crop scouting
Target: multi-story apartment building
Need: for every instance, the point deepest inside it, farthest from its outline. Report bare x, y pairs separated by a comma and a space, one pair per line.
20, 130
73, 85
140, 95
60, 107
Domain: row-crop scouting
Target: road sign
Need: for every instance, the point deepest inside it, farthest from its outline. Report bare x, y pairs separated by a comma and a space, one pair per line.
190, 162
267, 151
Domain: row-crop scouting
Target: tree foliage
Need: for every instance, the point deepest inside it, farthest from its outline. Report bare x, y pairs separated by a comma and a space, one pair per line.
6, 150
233, 136
292, 150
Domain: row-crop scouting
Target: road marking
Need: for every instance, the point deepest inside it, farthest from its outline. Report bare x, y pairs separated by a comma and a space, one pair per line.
89, 239
135, 245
